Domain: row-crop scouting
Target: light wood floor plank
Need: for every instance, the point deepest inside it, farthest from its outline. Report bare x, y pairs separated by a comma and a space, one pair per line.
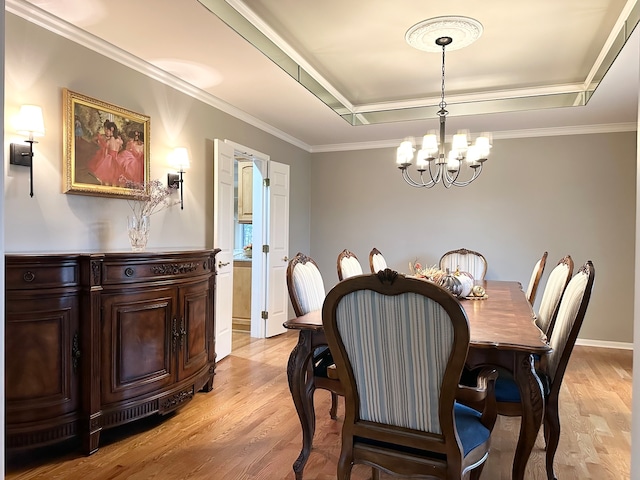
247, 429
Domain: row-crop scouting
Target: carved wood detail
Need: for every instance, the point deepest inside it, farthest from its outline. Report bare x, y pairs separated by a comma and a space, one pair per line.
173, 268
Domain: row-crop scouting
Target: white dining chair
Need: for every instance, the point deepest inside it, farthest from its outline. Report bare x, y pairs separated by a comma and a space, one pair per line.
536, 275
466, 261
553, 290
348, 265
376, 261
307, 293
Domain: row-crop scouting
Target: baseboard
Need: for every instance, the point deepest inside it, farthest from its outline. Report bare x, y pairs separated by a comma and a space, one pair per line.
585, 342
241, 324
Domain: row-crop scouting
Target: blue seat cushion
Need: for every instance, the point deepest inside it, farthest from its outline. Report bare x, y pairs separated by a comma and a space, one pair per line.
507, 389
470, 430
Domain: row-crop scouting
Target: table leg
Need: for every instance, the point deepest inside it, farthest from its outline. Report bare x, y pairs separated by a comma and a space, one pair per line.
532, 398
302, 387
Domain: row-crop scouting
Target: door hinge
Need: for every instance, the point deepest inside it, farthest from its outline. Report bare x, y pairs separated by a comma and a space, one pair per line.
267, 182
265, 315
265, 248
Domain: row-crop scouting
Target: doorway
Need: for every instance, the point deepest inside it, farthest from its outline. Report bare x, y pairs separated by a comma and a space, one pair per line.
269, 239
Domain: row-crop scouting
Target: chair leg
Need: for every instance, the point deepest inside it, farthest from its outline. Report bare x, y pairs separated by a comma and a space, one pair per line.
334, 406
546, 435
345, 464
375, 474
552, 435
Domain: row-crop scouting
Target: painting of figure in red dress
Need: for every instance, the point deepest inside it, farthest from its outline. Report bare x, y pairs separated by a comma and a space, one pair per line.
107, 152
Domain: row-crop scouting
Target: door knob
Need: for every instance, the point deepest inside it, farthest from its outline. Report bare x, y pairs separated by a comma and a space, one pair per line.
285, 259
220, 264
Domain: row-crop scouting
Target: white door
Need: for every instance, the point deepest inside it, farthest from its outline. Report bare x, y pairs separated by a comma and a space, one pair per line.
278, 235
223, 164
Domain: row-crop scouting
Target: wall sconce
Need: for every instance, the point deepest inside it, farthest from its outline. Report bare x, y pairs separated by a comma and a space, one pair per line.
30, 123
178, 159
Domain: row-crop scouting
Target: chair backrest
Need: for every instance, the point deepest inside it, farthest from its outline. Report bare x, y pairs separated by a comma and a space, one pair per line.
571, 312
424, 335
553, 290
376, 261
536, 275
304, 281
348, 265
466, 261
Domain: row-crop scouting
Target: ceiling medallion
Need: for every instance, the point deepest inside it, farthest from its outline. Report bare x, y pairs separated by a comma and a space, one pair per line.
462, 30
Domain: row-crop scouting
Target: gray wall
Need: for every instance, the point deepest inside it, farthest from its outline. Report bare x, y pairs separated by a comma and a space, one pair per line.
565, 195
39, 65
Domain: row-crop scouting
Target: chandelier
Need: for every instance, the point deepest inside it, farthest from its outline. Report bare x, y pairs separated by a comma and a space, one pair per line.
462, 164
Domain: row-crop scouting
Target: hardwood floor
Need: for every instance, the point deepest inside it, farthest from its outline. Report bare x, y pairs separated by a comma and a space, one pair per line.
247, 429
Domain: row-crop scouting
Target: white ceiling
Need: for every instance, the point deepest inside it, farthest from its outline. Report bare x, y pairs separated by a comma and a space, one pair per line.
358, 51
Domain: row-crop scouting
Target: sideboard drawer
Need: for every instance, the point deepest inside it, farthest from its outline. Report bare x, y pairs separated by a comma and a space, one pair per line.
38, 273
154, 268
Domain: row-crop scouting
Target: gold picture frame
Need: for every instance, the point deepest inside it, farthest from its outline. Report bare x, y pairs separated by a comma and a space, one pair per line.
106, 148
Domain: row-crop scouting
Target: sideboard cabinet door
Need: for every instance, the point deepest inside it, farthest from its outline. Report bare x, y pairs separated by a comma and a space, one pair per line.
195, 325
136, 343
41, 351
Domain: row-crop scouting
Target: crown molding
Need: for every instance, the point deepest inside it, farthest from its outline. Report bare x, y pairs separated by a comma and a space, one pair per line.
39, 17
510, 134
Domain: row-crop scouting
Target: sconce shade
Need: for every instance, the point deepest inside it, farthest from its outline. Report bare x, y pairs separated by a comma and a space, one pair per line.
179, 158
29, 121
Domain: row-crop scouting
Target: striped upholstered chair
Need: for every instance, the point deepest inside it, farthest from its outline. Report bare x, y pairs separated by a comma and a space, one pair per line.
348, 265
306, 291
401, 413
376, 261
466, 261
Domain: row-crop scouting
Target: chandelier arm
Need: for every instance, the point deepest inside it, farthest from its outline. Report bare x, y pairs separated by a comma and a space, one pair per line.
435, 179
413, 183
476, 174
448, 179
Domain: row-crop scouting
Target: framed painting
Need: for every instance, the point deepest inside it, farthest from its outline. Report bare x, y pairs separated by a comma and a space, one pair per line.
106, 148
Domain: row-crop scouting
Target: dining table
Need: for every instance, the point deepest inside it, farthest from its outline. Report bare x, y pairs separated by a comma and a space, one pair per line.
503, 334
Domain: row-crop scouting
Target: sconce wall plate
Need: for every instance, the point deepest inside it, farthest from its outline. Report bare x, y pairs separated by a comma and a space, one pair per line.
173, 180
20, 154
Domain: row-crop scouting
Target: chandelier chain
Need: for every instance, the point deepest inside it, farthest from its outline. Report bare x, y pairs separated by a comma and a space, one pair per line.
443, 104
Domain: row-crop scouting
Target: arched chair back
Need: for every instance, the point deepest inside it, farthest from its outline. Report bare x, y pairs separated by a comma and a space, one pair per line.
536, 275
348, 265
571, 313
466, 261
401, 414
376, 261
553, 290
305, 284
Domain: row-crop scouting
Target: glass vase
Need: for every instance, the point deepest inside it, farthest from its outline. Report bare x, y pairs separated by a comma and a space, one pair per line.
138, 228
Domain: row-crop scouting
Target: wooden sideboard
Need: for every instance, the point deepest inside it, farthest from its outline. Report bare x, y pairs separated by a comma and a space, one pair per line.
97, 340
